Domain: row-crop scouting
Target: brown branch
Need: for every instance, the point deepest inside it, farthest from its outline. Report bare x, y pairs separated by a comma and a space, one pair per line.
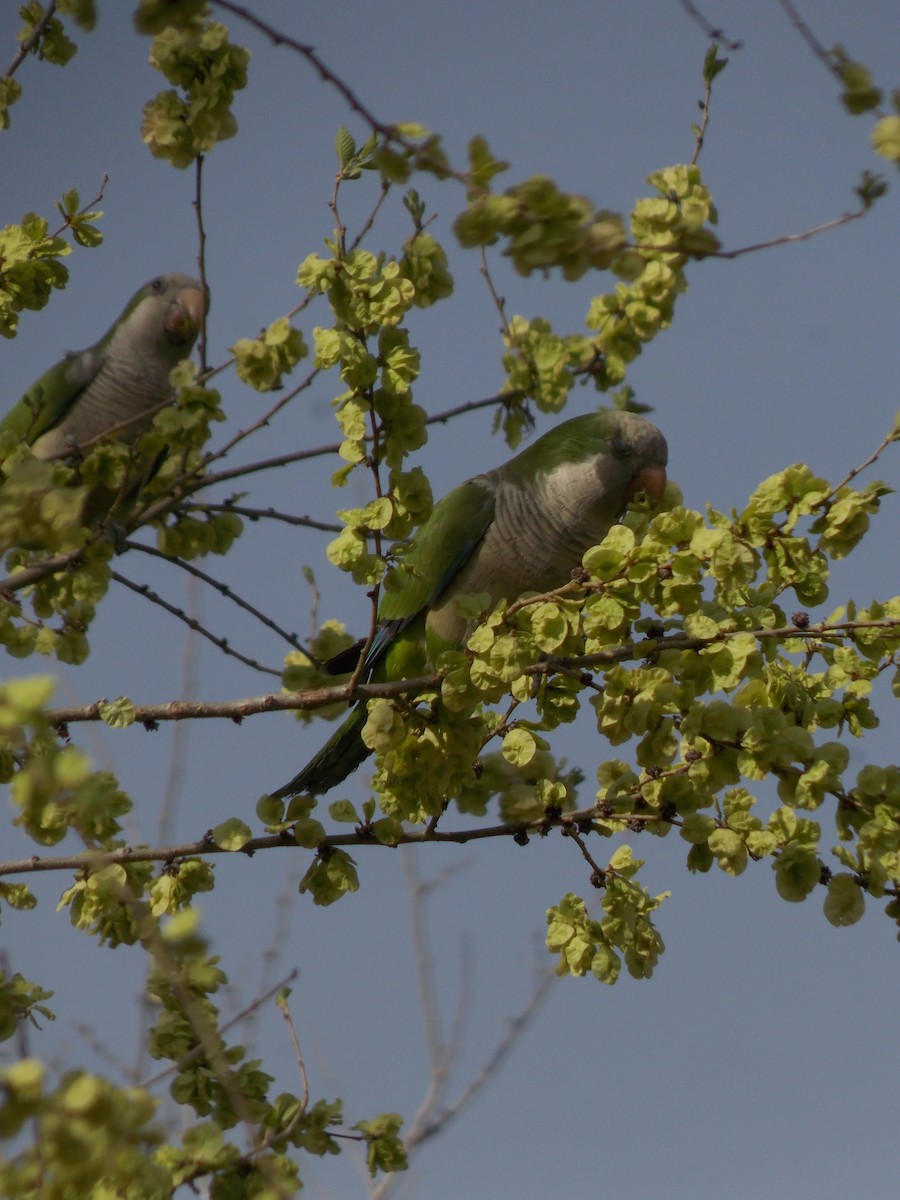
886, 441
37, 571
92, 860
810, 38
313, 698
434, 1114
25, 48
598, 873
789, 238
570, 823
784, 240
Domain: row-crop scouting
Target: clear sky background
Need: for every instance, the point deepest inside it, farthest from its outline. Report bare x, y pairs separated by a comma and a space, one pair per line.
762, 1057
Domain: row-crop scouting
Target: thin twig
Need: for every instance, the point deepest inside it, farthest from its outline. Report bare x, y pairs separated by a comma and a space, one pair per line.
258, 514
388, 132
201, 257
24, 49
298, 1052
249, 1011
810, 38
223, 589
516, 1026
704, 122
713, 32
144, 589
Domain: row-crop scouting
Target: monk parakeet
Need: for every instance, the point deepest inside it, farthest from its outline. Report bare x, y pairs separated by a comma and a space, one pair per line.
119, 379
522, 527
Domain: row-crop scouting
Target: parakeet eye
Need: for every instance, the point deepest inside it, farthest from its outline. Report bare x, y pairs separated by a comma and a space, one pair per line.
156, 285
619, 446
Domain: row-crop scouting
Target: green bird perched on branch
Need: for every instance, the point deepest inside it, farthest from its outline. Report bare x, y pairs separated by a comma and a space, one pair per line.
522, 527
115, 387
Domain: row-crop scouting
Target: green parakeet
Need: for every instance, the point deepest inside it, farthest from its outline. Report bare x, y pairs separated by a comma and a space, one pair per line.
115, 386
522, 527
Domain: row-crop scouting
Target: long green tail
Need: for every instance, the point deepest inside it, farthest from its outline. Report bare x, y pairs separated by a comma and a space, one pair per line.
338, 758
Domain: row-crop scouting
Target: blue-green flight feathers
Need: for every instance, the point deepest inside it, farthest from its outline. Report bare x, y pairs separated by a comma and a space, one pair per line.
522, 527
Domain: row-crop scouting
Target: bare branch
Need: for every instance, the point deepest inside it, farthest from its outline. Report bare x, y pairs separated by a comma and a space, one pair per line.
223, 589
144, 589
388, 132
515, 1028
258, 514
37, 571
810, 38
713, 32
704, 122
201, 258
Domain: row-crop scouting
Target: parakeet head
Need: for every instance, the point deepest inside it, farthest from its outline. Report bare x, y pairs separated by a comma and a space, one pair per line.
165, 315
639, 451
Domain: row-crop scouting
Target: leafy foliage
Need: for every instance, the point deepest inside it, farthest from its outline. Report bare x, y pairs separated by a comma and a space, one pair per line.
677, 628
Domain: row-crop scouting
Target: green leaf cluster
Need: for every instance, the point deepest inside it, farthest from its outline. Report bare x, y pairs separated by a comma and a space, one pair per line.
20, 1000
52, 44
304, 671
667, 229
85, 1137
10, 92
84, 232
384, 1149
197, 57
543, 228
29, 269
262, 361
153, 16
381, 424
860, 94
625, 932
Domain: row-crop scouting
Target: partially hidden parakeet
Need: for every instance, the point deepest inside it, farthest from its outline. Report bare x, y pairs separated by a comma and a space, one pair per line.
115, 385
522, 527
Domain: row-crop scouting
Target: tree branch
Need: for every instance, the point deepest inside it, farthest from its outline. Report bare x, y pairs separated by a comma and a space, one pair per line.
259, 514
22, 53
713, 32
313, 698
144, 589
390, 133
223, 589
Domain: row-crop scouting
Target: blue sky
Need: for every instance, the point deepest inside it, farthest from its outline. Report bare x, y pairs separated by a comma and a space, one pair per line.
763, 1054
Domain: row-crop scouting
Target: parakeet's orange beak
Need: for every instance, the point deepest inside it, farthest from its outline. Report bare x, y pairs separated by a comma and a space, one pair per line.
651, 479
185, 315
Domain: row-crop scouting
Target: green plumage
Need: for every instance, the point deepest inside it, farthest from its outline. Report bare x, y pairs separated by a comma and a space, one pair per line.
521, 527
